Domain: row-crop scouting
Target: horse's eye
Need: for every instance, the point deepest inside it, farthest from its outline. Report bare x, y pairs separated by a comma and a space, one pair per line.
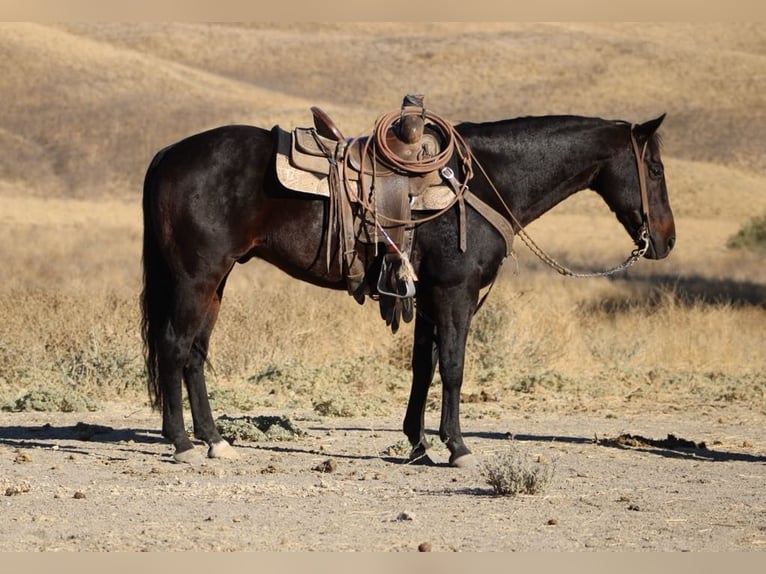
655, 169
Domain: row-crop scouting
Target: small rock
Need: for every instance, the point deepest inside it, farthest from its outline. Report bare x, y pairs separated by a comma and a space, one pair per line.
405, 516
79, 495
327, 466
17, 489
21, 457
553, 521
424, 547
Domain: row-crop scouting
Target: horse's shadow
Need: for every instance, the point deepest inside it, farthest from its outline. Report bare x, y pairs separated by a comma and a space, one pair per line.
648, 446
48, 436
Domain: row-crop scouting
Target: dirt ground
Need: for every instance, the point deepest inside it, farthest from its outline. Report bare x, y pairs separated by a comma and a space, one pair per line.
106, 480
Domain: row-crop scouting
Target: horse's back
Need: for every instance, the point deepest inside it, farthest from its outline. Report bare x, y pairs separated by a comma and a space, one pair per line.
221, 147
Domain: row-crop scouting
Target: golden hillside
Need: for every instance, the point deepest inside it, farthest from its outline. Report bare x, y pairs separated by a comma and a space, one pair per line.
85, 106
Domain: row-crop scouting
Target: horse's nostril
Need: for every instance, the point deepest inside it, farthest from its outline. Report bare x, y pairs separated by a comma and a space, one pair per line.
671, 242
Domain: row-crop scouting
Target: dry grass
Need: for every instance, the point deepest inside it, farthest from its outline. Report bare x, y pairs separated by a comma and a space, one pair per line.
83, 116
515, 472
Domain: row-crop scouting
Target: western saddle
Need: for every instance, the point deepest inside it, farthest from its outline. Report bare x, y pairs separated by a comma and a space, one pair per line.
374, 183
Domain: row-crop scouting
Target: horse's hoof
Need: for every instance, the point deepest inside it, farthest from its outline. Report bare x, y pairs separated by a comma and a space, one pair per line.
222, 449
419, 455
465, 461
189, 456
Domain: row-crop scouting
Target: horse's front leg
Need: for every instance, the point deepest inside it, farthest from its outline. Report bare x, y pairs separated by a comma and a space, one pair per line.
424, 357
455, 311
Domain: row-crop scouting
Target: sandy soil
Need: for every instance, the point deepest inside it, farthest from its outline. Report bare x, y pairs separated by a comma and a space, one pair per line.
106, 480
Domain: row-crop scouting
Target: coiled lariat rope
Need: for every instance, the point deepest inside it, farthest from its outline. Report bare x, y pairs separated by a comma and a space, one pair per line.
420, 166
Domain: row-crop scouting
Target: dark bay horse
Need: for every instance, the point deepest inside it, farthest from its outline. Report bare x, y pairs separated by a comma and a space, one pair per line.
212, 200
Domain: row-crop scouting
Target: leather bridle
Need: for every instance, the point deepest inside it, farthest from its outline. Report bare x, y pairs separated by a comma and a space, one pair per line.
644, 231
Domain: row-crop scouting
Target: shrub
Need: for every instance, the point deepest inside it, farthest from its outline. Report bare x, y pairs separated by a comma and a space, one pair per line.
512, 472
751, 236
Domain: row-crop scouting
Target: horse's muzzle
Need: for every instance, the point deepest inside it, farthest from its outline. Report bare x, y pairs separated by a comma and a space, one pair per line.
660, 245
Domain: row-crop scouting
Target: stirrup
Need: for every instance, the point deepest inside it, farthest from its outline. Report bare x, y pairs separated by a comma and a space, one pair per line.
408, 284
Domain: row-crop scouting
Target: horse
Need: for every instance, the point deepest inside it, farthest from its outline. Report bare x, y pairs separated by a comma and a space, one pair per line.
212, 201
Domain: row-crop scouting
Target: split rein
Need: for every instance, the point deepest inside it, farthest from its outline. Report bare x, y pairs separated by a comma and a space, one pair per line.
455, 143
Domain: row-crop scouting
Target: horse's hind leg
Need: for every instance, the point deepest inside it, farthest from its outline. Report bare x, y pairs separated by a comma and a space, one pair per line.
173, 354
189, 317
194, 377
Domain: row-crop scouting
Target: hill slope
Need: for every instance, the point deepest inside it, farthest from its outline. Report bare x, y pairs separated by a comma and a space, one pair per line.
87, 105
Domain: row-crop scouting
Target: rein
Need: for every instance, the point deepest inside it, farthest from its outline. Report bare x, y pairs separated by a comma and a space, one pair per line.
642, 244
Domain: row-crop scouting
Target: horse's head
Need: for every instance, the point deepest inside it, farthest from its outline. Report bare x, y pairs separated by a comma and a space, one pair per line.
642, 212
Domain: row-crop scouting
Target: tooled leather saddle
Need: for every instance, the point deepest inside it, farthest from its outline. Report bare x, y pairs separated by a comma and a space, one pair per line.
371, 199
374, 184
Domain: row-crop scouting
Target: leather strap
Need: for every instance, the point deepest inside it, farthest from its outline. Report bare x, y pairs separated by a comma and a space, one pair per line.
464, 195
500, 223
641, 176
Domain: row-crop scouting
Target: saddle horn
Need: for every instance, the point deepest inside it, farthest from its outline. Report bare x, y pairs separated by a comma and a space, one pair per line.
411, 121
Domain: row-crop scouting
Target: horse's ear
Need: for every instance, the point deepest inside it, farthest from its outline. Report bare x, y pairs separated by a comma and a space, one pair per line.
646, 130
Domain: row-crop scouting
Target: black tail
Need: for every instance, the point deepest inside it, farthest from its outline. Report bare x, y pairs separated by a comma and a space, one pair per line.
157, 289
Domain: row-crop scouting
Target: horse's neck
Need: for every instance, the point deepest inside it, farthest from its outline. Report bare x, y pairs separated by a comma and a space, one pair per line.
535, 167
547, 193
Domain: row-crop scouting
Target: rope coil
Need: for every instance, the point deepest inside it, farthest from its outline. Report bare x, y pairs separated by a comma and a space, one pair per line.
420, 166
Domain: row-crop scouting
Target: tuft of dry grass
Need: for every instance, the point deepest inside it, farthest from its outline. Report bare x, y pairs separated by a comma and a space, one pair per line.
514, 472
